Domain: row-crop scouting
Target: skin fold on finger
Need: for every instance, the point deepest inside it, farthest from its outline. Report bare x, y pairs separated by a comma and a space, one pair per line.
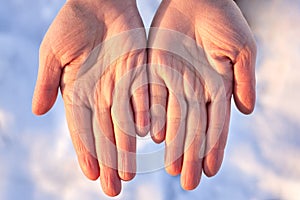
83, 140
215, 146
106, 151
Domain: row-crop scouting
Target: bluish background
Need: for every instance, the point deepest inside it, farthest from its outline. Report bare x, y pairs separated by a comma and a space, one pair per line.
262, 160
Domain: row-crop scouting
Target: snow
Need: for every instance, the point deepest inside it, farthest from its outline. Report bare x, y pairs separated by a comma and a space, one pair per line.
262, 156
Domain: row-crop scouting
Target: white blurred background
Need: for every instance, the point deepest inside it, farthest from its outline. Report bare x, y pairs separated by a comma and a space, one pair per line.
262, 160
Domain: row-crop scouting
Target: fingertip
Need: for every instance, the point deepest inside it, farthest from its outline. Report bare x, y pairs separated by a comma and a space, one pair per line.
110, 182
158, 129
213, 162
142, 131
89, 167
112, 191
40, 109
188, 187
174, 169
246, 110
158, 137
142, 123
246, 104
191, 175
158, 140
43, 101
126, 164
36, 110
210, 171
126, 176
187, 184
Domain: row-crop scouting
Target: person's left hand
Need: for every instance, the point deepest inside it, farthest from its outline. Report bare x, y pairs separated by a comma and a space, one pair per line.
201, 53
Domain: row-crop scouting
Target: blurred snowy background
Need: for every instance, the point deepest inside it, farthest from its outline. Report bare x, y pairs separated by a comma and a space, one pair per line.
262, 160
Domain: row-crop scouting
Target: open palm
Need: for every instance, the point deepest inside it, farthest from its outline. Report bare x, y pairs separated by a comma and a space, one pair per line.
94, 51
201, 53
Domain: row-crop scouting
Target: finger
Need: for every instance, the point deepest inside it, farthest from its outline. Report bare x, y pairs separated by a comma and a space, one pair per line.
140, 104
215, 144
140, 96
47, 83
195, 130
125, 140
175, 133
158, 95
158, 99
106, 151
123, 117
80, 125
194, 144
244, 78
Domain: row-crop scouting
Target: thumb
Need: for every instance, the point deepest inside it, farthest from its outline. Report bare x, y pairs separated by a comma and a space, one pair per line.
47, 83
244, 78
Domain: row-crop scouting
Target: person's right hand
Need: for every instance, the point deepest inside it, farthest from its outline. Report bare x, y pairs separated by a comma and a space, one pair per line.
201, 53
94, 51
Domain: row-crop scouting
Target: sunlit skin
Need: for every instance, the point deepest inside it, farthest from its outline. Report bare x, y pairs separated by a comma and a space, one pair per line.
81, 26
220, 29
78, 29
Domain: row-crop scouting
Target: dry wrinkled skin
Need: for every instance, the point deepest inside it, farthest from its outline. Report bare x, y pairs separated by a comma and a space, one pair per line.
201, 53
94, 51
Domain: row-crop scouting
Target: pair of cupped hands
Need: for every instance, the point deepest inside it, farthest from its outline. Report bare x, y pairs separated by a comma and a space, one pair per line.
117, 84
